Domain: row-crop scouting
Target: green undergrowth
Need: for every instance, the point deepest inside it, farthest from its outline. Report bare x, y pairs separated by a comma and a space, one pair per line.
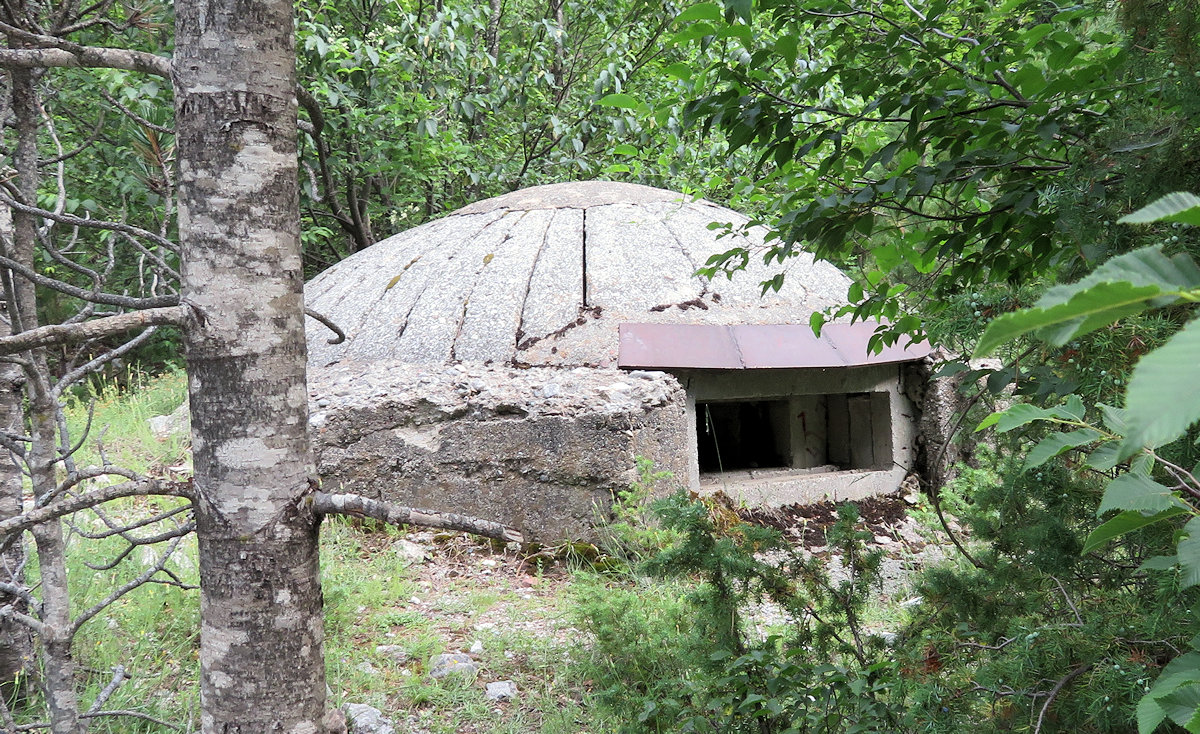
118, 425
659, 627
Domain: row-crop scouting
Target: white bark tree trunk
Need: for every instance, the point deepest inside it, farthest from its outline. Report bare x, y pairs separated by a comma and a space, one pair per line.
261, 640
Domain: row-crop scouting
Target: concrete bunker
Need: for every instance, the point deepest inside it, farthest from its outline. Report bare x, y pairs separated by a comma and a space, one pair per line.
511, 360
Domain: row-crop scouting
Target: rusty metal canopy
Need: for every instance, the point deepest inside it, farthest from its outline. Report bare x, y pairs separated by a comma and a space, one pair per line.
755, 346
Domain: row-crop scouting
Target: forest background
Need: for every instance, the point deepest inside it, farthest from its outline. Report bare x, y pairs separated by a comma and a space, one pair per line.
959, 159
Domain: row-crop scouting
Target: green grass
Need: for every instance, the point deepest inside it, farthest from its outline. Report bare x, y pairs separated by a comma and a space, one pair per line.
154, 631
625, 643
119, 422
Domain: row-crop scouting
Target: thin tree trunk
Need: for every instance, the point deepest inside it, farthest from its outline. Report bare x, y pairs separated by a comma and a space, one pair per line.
16, 640
59, 680
261, 640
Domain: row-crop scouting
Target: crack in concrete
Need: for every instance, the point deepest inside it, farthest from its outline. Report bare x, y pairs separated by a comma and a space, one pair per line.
529, 284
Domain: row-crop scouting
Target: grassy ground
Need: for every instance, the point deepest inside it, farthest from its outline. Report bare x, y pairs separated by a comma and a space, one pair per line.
465, 592
522, 619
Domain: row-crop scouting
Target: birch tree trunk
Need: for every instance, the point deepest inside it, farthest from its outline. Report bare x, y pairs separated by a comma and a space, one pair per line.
261, 638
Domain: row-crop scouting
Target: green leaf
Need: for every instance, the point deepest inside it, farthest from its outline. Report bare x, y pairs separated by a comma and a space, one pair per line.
1181, 672
1058, 443
1018, 415
1137, 492
625, 149
816, 322
623, 101
1189, 554
1149, 715
1159, 563
1182, 703
1162, 400
1178, 206
1124, 523
1122, 286
679, 70
1086, 311
703, 11
1105, 457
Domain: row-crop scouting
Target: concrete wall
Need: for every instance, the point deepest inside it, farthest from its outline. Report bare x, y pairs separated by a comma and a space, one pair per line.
830, 408
540, 449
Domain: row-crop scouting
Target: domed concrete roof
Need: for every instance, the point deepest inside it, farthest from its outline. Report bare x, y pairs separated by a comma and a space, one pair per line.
545, 275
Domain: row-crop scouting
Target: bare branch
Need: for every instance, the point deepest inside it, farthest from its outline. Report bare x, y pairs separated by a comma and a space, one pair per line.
92, 365
359, 506
114, 529
132, 714
9, 612
83, 294
88, 57
128, 229
66, 506
340, 336
124, 589
46, 336
1054, 692
119, 677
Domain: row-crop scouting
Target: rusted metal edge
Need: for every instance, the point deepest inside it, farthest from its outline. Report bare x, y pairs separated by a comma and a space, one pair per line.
755, 346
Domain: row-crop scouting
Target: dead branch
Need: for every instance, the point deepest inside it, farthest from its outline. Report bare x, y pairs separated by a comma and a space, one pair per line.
340, 336
8, 611
1058, 687
67, 505
45, 336
359, 506
108, 299
114, 529
86, 57
143, 578
119, 677
98, 714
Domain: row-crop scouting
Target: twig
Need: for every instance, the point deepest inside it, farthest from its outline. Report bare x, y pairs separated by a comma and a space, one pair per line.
359, 506
340, 335
1054, 692
1078, 618
143, 578
1004, 642
119, 677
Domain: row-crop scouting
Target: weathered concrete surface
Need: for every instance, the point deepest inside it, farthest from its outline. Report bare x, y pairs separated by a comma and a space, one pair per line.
543, 276
541, 449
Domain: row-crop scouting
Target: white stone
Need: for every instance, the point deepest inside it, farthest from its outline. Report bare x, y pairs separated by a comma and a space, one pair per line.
504, 690
364, 719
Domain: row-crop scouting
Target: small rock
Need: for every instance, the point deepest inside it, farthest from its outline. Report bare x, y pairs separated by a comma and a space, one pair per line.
364, 719
476, 647
166, 426
395, 653
410, 552
504, 690
883, 540
550, 389
452, 662
369, 669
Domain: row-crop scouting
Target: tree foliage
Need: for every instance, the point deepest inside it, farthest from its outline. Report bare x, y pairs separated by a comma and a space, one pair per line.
940, 146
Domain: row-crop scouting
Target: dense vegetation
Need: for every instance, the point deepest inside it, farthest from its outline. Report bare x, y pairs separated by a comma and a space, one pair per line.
959, 158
